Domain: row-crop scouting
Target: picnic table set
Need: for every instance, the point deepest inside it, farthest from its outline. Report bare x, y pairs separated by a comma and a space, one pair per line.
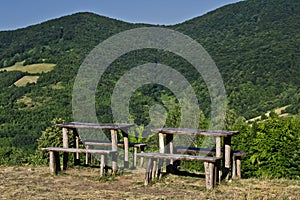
219, 162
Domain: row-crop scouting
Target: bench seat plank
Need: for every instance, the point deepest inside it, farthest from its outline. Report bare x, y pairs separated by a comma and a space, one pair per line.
179, 157
75, 150
236, 156
209, 151
54, 163
211, 164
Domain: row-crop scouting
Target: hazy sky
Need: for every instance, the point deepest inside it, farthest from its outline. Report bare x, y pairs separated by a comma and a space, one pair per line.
21, 13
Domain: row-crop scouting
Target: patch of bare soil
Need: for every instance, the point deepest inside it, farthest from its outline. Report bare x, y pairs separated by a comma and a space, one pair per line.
84, 183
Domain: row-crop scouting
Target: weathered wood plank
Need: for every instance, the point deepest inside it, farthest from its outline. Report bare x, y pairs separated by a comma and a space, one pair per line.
208, 151
74, 150
179, 157
105, 126
209, 163
196, 132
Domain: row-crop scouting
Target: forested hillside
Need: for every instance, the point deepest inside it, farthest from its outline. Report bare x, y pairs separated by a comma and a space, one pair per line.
255, 44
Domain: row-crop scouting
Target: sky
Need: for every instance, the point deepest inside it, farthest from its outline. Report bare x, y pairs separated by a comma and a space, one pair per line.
16, 14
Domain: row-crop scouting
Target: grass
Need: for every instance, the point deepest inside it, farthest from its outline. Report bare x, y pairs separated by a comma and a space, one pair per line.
26, 79
82, 183
26, 102
32, 69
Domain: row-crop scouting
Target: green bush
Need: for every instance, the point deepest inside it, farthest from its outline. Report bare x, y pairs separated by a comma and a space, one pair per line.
51, 137
273, 148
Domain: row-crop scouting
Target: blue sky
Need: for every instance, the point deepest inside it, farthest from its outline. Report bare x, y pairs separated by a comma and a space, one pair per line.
21, 13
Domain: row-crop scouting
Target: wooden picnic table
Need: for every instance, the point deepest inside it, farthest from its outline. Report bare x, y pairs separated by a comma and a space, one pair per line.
166, 136
113, 128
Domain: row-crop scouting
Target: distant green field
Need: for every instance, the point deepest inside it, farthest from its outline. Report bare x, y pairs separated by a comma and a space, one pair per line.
33, 69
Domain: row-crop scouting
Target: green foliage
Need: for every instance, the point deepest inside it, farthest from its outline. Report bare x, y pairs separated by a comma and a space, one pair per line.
11, 156
51, 137
8, 78
273, 147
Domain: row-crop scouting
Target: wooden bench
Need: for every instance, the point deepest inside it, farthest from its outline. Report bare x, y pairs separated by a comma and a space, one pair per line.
153, 171
235, 154
55, 161
137, 146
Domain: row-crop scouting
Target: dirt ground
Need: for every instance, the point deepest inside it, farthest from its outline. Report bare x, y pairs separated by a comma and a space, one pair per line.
83, 183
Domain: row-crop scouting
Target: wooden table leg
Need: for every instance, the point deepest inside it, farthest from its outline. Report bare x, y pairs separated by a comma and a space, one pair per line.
76, 145
218, 154
161, 150
170, 149
227, 156
65, 145
126, 148
161, 143
114, 144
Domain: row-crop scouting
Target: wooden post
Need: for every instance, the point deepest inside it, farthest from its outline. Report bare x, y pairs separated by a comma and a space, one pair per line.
161, 150
218, 154
134, 157
65, 145
161, 143
76, 145
159, 168
102, 164
238, 167
148, 172
142, 159
227, 152
126, 149
114, 142
154, 168
207, 175
52, 162
234, 167
170, 146
211, 175
227, 141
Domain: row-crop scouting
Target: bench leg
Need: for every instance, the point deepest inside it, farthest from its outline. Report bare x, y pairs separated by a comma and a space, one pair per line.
134, 157
114, 163
209, 175
148, 172
159, 168
102, 165
238, 167
234, 167
212, 175
142, 159
154, 169
54, 163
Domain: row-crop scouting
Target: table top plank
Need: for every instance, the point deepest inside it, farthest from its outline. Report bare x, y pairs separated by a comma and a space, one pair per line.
196, 132
104, 126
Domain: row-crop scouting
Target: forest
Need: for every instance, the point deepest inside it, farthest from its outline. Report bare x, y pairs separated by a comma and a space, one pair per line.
254, 43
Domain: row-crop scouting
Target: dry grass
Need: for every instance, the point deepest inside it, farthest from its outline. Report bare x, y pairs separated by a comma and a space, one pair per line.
82, 183
29, 103
33, 69
26, 79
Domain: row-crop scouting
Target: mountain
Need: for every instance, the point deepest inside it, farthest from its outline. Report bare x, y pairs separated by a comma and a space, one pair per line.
255, 45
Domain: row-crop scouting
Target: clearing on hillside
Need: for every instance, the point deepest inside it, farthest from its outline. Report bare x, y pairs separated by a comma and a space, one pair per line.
26, 79
33, 69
